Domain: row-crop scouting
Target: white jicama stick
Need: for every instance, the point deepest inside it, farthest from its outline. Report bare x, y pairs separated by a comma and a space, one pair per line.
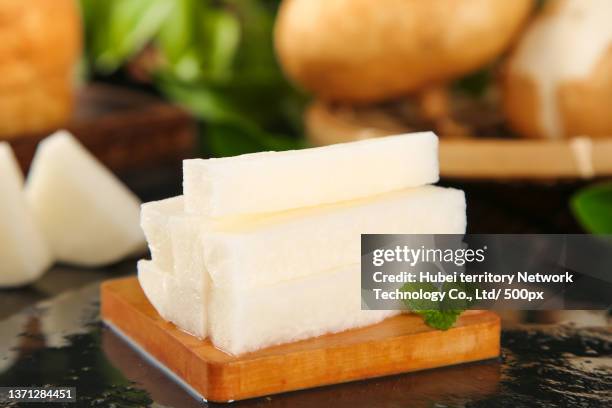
174, 239
174, 299
87, 215
186, 237
268, 272
153, 284
175, 281
154, 220
24, 255
248, 320
276, 181
294, 244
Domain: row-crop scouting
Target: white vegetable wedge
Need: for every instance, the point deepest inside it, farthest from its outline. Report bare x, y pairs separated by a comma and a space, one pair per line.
24, 255
87, 215
276, 181
248, 320
154, 220
294, 244
187, 307
264, 249
186, 232
174, 239
174, 300
153, 284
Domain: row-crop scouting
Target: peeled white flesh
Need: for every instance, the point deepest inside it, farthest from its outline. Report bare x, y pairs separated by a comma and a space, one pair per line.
186, 307
299, 243
173, 299
276, 181
186, 232
243, 320
266, 249
153, 284
175, 281
174, 239
284, 277
154, 220
24, 255
87, 215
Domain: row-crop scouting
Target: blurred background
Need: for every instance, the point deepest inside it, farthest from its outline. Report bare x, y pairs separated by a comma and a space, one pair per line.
519, 92
214, 58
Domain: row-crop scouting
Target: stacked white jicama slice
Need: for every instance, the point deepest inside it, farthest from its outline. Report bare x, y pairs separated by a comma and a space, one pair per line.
264, 249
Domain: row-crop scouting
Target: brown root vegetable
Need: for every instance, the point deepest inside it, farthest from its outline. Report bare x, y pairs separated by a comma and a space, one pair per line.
363, 51
40, 43
558, 81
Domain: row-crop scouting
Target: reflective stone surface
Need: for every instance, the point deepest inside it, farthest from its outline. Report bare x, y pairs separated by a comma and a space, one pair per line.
60, 341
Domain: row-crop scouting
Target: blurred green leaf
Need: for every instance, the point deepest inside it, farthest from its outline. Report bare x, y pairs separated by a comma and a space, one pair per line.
222, 31
227, 139
257, 52
219, 114
202, 101
175, 36
592, 207
214, 57
199, 41
95, 17
130, 26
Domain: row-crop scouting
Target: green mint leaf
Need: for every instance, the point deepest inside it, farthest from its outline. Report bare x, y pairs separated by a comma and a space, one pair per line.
439, 315
440, 319
592, 206
420, 304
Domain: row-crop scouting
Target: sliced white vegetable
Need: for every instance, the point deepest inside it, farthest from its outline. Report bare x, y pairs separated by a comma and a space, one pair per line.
87, 215
186, 232
154, 220
276, 181
174, 300
293, 244
24, 255
174, 239
153, 284
187, 307
248, 320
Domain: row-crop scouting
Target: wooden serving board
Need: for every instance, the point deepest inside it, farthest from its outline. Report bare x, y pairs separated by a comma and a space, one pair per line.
397, 345
474, 158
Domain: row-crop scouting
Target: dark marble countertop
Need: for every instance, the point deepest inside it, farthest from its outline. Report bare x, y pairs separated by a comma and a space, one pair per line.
51, 334
58, 340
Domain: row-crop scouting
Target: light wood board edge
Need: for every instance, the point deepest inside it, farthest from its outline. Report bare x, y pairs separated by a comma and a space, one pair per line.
330, 359
482, 158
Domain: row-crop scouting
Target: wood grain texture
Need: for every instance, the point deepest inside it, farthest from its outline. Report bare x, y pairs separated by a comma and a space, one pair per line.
126, 130
477, 158
399, 344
